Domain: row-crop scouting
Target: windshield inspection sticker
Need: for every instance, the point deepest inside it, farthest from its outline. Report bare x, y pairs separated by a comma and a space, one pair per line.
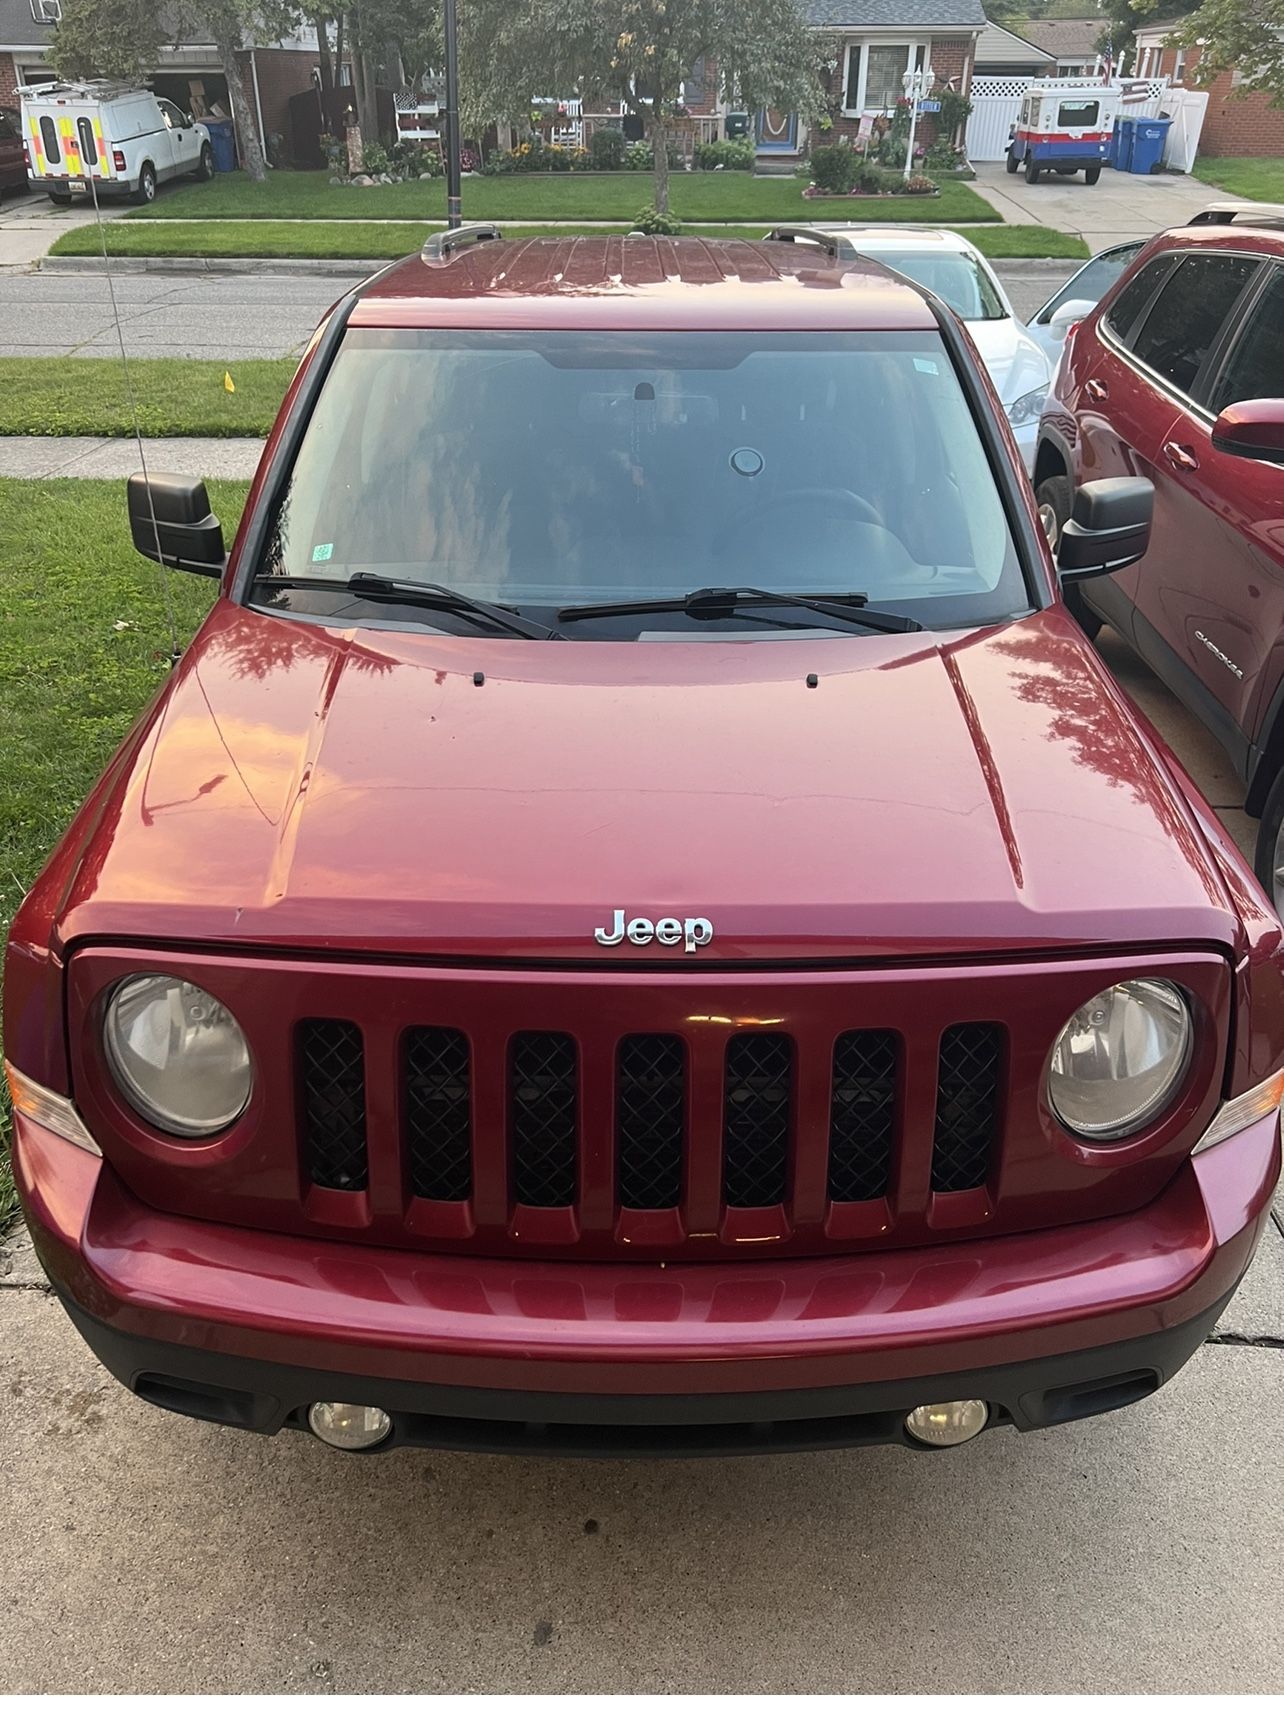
322, 552
927, 365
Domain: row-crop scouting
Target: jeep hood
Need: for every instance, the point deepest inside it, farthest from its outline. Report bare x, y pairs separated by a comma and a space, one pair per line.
304, 787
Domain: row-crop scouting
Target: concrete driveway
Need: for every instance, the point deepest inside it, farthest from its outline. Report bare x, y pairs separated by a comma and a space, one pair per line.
1141, 1551
29, 224
1120, 206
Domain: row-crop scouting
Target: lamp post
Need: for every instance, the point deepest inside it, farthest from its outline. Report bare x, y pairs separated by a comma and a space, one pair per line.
916, 86
454, 216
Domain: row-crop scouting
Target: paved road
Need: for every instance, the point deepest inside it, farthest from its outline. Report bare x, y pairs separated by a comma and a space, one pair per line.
1142, 1551
231, 316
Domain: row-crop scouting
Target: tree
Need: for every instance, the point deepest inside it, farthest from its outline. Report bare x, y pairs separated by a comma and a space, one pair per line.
639, 51
1246, 36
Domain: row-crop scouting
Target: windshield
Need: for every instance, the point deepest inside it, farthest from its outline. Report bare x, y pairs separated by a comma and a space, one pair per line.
961, 281
538, 470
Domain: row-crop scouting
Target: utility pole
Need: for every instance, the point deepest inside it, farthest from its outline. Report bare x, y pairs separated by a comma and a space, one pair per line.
454, 216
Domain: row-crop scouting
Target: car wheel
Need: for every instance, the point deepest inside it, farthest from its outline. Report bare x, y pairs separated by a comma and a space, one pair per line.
61, 198
146, 192
206, 168
1011, 162
1055, 497
1032, 170
1092, 174
1268, 861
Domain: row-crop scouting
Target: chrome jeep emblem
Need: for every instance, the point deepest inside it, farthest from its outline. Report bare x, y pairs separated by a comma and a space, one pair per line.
693, 933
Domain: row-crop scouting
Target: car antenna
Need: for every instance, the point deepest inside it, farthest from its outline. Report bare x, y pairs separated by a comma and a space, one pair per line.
175, 651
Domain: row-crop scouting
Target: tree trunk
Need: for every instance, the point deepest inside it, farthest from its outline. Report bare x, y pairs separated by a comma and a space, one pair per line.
227, 40
660, 152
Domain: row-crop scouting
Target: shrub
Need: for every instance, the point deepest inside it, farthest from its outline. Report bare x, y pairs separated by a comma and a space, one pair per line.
650, 220
876, 181
415, 158
606, 149
835, 168
375, 159
737, 152
919, 184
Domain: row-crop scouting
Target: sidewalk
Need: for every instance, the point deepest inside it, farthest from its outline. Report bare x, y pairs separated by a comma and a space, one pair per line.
30, 224
117, 456
1119, 207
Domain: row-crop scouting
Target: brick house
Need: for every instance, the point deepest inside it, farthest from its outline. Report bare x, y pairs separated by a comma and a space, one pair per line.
870, 45
1234, 124
187, 73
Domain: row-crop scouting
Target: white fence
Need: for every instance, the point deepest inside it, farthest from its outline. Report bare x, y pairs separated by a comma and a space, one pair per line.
996, 102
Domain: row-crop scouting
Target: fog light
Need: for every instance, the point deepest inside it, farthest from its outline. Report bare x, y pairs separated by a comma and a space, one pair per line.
946, 1424
351, 1427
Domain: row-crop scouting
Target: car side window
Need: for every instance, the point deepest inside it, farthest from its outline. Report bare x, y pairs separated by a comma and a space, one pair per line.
1254, 369
7, 133
173, 119
1188, 315
1135, 296
1094, 280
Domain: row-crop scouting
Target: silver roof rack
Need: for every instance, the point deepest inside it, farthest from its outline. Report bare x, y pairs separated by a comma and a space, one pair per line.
440, 247
840, 249
1247, 214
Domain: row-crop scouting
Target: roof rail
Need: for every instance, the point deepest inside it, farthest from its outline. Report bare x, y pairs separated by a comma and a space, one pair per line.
1249, 214
439, 247
840, 249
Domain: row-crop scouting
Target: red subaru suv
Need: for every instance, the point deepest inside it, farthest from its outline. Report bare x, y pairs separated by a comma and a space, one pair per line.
640, 923
1178, 376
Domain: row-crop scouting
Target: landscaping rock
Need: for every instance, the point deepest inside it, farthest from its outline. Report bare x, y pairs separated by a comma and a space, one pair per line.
361, 179
385, 179
427, 176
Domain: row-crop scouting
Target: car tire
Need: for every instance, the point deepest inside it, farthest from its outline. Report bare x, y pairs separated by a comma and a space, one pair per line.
1011, 162
1268, 857
1092, 174
206, 168
61, 198
1032, 170
1055, 497
146, 192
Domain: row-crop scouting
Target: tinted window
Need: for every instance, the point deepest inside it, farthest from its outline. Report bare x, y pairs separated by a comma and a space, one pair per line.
539, 469
1255, 368
1134, 297
49, 137
1187, 317
88, 153
1078, 114
1094, 280
7, 131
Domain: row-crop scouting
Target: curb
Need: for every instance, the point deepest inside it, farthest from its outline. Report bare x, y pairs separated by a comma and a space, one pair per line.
359, 266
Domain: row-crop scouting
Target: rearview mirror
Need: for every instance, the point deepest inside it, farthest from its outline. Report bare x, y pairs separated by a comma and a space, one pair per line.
170, 522
1253, 429
1108, 529
1066, 316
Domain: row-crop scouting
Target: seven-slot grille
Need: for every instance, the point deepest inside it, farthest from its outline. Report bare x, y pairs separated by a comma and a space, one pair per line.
652, 1110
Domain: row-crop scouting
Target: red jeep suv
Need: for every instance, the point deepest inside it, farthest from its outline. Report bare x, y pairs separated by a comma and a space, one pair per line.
640, 923
1178, 376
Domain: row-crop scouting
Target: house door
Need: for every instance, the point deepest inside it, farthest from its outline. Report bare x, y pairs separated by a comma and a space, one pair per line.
776, 133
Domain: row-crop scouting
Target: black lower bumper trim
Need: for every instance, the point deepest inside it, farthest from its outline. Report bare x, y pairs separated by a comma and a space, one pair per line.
266, 1397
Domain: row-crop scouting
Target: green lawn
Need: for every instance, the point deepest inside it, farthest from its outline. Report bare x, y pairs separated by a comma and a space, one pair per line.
555, 197
71, 682
1258, 178
374, 241
176, 397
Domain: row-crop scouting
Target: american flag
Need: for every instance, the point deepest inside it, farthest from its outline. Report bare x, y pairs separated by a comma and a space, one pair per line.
1108, 62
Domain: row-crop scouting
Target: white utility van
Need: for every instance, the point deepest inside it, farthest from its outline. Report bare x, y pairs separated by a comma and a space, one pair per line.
127, 140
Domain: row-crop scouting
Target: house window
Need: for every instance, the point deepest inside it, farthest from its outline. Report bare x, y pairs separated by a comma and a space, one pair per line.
874, 73
1179, 65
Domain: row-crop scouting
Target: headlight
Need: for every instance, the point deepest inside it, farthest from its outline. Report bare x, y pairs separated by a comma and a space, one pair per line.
177, 1054
1119, 1060
1026, 406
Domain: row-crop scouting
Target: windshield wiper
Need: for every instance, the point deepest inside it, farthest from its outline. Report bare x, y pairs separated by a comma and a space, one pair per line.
711, 601
444, 598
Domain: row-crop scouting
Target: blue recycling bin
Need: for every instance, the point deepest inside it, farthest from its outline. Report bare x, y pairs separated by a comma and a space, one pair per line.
1113, 147
223, 143
1149, 137
1123, 142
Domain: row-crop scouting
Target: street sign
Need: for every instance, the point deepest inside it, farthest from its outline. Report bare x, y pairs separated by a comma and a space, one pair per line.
929, 107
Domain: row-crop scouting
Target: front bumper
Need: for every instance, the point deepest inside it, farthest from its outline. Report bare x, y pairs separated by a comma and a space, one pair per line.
250, 1327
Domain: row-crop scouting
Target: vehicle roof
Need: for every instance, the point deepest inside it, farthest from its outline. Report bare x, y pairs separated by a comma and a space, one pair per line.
895, 238
619, 281
1240, 234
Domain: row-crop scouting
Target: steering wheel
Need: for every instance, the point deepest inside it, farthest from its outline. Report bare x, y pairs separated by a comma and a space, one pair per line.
847, 502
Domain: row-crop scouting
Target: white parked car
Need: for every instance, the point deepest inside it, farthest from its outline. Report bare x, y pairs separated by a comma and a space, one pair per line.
1078, 295
126, 140
952, 267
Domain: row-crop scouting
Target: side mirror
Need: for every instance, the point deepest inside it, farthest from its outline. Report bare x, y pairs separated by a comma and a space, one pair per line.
170, 522
1066, 316
1253, 429
1108, 529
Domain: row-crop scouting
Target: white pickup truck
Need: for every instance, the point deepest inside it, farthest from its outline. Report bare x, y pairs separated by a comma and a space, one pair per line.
126, 140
